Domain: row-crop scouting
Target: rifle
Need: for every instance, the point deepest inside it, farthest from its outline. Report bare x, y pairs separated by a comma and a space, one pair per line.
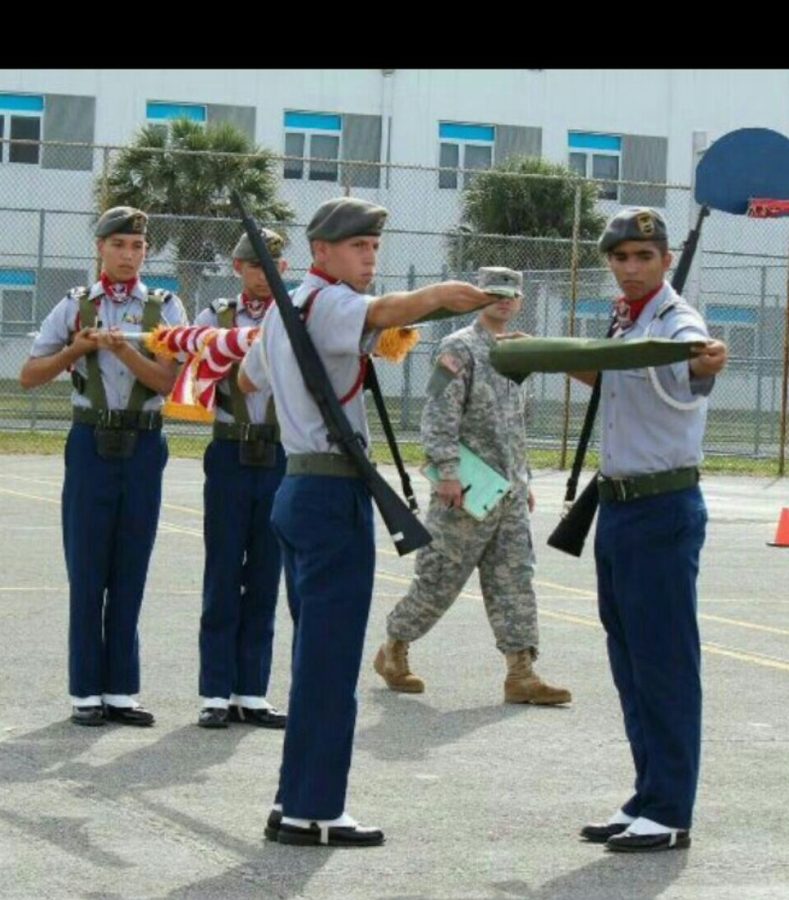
407, 532
372, 384
571, 532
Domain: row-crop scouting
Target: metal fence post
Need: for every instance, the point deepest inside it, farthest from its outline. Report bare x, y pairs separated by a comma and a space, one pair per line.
573, 301
42, 219
757, 435
105, 192
784, 383
405, 401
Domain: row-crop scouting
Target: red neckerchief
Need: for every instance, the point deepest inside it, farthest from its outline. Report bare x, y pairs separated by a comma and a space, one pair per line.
628, 311
118, 291
314, 270
255, 308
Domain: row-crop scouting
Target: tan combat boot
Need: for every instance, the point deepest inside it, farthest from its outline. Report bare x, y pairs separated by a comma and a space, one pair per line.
524, 685
391, 663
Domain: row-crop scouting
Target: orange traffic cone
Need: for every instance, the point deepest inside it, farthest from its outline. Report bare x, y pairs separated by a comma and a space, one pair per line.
782, 532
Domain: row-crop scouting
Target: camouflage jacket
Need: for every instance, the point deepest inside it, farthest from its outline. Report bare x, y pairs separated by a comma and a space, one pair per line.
468, 402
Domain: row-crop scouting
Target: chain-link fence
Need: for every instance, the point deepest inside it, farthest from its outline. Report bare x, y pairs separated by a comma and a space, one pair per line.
48, 206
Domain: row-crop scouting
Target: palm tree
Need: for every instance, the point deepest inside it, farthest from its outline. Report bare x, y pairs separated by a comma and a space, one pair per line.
520, 214
183, 177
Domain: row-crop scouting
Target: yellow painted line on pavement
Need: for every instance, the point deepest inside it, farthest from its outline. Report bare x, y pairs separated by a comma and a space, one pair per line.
165, 526
59, 590
186, 509
758, 659
178, 529
565, 617
771, 629
715, 649
384, 552
709, 617
582, 592
26, 589
55, 482
554, 614
30, 496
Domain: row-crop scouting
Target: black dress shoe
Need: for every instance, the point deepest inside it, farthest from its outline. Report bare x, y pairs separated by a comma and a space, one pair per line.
212, 717
264, 718
87, 715
273, 824
128, 715
645, 843
598, 833
334, 836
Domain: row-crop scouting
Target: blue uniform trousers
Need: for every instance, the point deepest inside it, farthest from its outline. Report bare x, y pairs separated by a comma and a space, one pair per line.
647, 554
325, 525
110, 510
241, 576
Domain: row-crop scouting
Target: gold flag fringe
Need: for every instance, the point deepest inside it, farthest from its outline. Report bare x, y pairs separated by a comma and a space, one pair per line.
395, 344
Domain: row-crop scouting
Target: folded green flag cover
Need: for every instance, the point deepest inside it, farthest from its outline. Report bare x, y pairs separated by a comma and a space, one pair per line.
518, 357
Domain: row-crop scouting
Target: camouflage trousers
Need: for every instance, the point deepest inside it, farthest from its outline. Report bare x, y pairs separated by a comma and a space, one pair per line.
501, 547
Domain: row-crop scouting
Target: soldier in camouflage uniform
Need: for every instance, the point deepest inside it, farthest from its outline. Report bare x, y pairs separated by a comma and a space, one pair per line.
468, 402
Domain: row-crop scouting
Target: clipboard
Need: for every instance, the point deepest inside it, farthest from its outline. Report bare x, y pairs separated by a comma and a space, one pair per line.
483, 487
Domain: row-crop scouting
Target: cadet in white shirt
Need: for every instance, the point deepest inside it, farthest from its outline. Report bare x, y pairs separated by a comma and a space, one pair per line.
650, 531
323, 512
244, 465
115, 455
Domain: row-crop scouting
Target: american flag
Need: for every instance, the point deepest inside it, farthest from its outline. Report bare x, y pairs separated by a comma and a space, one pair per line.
210, 354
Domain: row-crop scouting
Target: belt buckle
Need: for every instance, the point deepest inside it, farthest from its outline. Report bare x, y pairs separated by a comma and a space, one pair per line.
620, 488
110, 418
243, 431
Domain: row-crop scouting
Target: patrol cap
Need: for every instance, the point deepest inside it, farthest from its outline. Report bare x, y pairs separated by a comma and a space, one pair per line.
121, 220
500, 281
346, 217
636, 223
245, 252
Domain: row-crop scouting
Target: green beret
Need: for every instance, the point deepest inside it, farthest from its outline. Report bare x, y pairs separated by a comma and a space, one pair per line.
122, 220
500, 281
346, 217
637, 223
246, 253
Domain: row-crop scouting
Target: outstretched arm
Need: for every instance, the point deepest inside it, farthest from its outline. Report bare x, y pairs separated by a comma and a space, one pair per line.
405, 307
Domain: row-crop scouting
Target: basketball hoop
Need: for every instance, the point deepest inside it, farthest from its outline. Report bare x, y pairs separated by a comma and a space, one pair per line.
766, 208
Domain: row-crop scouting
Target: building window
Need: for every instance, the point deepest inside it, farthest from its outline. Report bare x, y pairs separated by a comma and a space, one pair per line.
160, 115
17, 290
20, 120
597, 156
313, 141
463, 145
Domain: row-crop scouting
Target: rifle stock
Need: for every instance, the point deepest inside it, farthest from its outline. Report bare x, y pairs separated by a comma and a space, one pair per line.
570, 534
407, 532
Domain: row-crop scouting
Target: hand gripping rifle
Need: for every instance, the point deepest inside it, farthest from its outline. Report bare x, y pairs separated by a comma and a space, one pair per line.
406, 530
